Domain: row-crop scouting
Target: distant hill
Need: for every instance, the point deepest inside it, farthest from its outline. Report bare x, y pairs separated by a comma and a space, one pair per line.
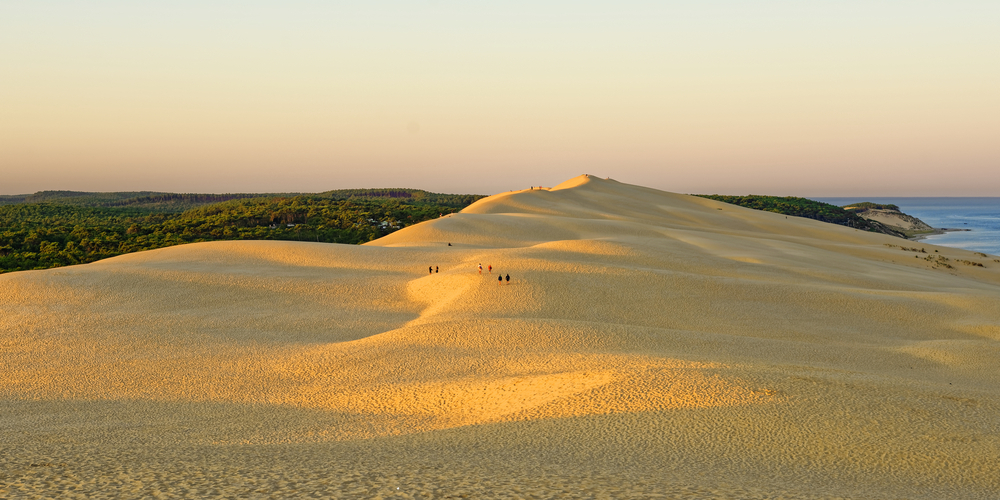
151, 200
889, 215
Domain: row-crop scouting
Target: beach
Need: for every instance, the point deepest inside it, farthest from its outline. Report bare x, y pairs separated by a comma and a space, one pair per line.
935, 232
647, 343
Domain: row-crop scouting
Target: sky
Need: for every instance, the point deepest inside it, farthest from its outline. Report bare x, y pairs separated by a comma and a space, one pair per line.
781, 97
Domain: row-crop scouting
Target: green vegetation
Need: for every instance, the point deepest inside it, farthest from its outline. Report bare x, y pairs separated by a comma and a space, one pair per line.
971, 263
799, 207
75, 228
407, 195
78, 198
939, 261
867, 205
176, 202
907, 249
803, 207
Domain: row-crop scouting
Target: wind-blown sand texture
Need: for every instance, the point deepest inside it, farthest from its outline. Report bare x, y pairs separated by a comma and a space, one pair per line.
896, 219
647, 343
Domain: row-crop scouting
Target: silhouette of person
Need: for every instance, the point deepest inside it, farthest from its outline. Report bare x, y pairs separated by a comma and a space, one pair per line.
508, 278
435, 268
430, 269
500, 279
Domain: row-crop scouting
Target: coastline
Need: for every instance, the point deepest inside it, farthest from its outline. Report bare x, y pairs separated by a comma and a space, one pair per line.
936, 231
980, 215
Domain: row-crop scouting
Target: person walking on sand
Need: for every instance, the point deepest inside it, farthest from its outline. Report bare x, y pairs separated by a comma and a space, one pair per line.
500, 279
490, 267
508, 278
480, 269
435, 268
430, 269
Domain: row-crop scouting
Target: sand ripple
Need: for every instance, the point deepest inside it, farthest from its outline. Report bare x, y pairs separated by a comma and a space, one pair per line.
648, 344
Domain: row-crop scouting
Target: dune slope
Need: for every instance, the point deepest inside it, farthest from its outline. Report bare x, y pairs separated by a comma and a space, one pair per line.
647, 342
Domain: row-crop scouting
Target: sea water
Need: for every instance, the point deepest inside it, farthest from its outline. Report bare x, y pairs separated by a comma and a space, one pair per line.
981, 216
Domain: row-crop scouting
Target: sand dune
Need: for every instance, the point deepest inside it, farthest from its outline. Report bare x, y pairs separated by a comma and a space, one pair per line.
648, 342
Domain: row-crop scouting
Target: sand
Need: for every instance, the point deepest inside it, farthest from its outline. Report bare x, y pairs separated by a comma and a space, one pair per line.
896, 219
648, 343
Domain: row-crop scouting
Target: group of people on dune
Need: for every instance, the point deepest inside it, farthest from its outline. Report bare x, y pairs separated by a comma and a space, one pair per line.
489, 270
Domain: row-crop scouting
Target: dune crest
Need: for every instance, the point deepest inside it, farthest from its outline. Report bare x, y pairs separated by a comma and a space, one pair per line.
640, 331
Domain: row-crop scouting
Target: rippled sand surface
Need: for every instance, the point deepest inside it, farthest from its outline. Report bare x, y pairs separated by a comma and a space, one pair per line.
648, 343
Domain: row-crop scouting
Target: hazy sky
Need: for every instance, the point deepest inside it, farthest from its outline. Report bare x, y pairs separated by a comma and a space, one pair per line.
796, 97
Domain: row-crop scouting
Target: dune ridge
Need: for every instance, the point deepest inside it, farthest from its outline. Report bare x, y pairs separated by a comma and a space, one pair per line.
648, 342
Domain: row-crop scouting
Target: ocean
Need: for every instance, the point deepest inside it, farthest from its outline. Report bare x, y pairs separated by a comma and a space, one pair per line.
981, 216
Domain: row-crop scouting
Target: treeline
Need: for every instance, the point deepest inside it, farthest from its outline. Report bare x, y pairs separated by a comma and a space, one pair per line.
174, 202
179, 202
151, 200
45, 235
77, 198
804, 207
867, 205
413, 195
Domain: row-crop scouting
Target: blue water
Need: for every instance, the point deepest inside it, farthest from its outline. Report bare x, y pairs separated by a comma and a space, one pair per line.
980, 215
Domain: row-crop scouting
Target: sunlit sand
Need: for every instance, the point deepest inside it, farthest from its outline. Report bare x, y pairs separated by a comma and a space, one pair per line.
647, 342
